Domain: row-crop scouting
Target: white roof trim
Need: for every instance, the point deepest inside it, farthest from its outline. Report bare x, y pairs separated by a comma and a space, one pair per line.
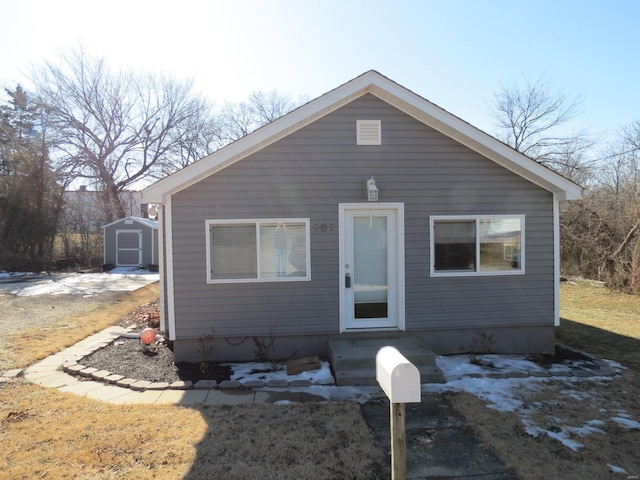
146, 221
389, 91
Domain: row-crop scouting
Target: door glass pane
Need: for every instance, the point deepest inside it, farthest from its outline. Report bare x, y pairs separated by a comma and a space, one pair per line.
370, 282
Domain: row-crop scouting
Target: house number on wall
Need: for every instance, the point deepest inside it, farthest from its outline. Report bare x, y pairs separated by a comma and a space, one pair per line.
323, 227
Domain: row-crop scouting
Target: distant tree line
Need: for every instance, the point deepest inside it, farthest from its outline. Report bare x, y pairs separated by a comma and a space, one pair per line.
86, 123
600, 235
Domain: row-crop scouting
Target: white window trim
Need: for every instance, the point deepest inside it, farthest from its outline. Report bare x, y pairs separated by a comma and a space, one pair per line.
257, 222
477, 272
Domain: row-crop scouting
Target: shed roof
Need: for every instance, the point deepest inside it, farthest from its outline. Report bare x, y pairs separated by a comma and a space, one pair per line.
396, 95
144, 221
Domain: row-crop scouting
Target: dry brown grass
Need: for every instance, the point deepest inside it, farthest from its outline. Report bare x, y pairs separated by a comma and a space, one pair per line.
49, 434
543, 457
45, 433
45, 333
597, 321
603, 322
298, 441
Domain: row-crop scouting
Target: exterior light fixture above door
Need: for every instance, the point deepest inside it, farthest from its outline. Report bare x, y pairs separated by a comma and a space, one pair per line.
372, 190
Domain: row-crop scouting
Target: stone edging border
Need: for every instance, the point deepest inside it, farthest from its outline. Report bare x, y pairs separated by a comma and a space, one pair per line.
90, 373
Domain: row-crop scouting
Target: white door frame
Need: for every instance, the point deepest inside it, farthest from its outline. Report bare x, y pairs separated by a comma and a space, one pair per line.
139, 248
396, 312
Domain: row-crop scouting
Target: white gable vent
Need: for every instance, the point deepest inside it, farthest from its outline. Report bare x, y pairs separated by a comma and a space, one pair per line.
368, 132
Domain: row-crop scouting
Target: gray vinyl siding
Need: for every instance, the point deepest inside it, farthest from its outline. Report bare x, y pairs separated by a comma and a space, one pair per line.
306, 175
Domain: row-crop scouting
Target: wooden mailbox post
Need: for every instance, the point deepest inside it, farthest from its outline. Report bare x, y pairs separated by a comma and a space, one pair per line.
400, 380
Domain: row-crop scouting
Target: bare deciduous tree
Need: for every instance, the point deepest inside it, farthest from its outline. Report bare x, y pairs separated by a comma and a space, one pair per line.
118, 128
530, 117
601, 233
631, 136
241, 118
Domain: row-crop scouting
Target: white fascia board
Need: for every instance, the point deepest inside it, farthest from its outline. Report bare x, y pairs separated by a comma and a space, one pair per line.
118, 221
144, 221
556, 262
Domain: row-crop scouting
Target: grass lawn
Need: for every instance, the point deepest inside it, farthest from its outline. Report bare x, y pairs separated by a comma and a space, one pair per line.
599, 322
48, 434
45, 433
602, 322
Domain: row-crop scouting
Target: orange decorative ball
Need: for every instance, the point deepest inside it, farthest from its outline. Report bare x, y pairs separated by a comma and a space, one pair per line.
147, 336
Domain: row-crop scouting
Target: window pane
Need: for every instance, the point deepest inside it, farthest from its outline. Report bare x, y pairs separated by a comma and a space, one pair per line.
454, 245
233, 251
283, 250
500, 244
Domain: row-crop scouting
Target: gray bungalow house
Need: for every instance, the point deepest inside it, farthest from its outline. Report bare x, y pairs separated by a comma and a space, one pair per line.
367, 212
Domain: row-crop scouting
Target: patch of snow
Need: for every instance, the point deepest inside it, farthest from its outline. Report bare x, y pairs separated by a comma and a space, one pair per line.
269, 371
510, 392
590, 427
4, 276
565, 440
613, 364
459, 366
626, 422
574, 394
615, 469
84, 284
322, 381
563, 434
595, 423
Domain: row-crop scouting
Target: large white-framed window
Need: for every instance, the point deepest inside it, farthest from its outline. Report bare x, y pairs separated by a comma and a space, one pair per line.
464, 245
263, 250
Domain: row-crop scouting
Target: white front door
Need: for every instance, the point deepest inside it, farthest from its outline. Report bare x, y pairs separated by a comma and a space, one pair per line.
128, 248
371, 266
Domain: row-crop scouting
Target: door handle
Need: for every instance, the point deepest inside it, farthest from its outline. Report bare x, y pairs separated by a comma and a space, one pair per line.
347, 281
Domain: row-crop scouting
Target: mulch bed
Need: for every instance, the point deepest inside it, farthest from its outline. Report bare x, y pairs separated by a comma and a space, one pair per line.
133, 359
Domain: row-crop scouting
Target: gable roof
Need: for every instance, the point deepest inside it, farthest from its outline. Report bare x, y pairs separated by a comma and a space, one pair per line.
144, 221
394, 94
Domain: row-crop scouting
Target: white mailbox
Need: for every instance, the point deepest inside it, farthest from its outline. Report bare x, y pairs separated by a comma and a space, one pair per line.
398, 377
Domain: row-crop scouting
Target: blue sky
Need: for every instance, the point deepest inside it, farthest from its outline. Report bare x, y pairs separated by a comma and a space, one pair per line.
455, 53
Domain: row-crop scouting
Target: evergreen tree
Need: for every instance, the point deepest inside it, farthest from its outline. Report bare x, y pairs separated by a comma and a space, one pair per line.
30, 197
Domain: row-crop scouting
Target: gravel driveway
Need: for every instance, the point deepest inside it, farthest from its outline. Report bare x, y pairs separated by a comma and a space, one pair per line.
40, 313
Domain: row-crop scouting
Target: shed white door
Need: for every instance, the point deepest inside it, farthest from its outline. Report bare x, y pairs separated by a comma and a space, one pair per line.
371, 267
128, 248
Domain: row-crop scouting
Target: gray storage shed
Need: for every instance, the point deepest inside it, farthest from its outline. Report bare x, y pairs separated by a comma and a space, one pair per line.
131, 242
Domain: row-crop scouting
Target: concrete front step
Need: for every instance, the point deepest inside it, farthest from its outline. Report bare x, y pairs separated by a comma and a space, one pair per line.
354, 360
